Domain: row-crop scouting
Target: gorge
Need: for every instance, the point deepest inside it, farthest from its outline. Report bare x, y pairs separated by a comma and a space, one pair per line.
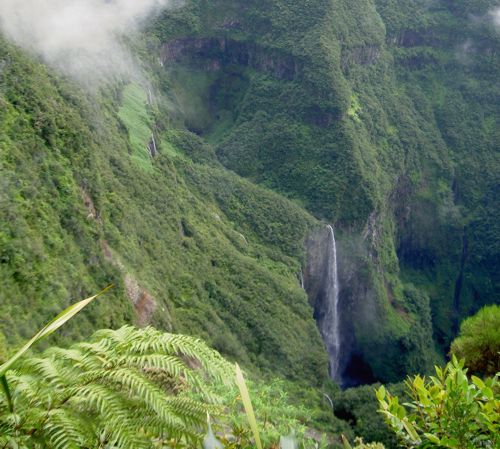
200, 183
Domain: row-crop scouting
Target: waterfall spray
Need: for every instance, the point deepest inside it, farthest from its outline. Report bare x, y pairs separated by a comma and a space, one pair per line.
329, 323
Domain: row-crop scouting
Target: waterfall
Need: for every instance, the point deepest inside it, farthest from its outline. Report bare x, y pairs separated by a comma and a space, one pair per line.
154, 151
329, 322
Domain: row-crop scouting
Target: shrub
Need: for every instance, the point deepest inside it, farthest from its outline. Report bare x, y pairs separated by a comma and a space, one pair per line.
446, 411
479, 341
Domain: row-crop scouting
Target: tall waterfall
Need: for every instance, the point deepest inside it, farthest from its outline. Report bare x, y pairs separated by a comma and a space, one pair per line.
329, 322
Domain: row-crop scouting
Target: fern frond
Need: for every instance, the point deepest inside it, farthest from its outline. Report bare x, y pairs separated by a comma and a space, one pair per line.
123, 389
64, 430
168, 364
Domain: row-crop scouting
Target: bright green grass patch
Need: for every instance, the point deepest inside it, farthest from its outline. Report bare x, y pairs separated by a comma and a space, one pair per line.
354, 109
134, 115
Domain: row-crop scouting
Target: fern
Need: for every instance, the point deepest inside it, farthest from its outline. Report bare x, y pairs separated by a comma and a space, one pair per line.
125, 389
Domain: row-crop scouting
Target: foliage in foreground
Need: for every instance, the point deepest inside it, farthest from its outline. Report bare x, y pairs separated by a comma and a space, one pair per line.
89, 396
274, 418
144, 389
360, 444
281, 419
127, 388
447, 410
479, 341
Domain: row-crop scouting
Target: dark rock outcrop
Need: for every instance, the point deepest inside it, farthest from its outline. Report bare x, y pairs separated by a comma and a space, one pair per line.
213, 54
363, 55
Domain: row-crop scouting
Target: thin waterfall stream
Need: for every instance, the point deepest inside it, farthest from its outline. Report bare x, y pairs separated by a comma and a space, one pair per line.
329, 323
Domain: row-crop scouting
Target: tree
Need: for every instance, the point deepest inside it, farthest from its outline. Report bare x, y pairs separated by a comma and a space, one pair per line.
446, 411
479, 341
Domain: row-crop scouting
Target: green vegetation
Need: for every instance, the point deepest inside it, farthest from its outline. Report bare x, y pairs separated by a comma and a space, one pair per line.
479, 342
127, 388
446, 411
195, 248
131, 389
145, 389
84, 388
134, 115
378, 116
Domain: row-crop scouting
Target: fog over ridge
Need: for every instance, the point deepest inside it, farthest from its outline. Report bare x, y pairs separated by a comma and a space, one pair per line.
495, 14
83, 38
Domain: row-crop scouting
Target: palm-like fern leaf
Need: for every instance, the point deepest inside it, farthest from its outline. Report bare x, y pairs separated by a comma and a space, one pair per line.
123, 389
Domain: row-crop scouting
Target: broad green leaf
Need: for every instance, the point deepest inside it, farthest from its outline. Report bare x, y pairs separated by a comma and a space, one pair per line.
50, 328
247, 403
418, 382
410, 430
488, 392
345, 442
478, 382
380, 393
432, 438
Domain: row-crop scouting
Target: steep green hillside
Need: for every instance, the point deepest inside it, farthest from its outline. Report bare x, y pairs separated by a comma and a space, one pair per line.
379, 116
188, 245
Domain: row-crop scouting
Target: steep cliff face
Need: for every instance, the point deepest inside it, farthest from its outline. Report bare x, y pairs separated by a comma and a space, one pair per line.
379, 116
378, 340
217, 54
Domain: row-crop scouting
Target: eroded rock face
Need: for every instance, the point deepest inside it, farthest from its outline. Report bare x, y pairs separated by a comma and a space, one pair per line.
93, 213
362, 55
213, 54
143, 301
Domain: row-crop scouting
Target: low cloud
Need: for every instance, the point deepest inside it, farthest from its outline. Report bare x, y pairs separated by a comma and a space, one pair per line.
83, 38
495, 16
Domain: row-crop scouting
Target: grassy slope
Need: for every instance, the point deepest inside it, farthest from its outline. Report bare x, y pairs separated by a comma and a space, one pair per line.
135, 117
79, 210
